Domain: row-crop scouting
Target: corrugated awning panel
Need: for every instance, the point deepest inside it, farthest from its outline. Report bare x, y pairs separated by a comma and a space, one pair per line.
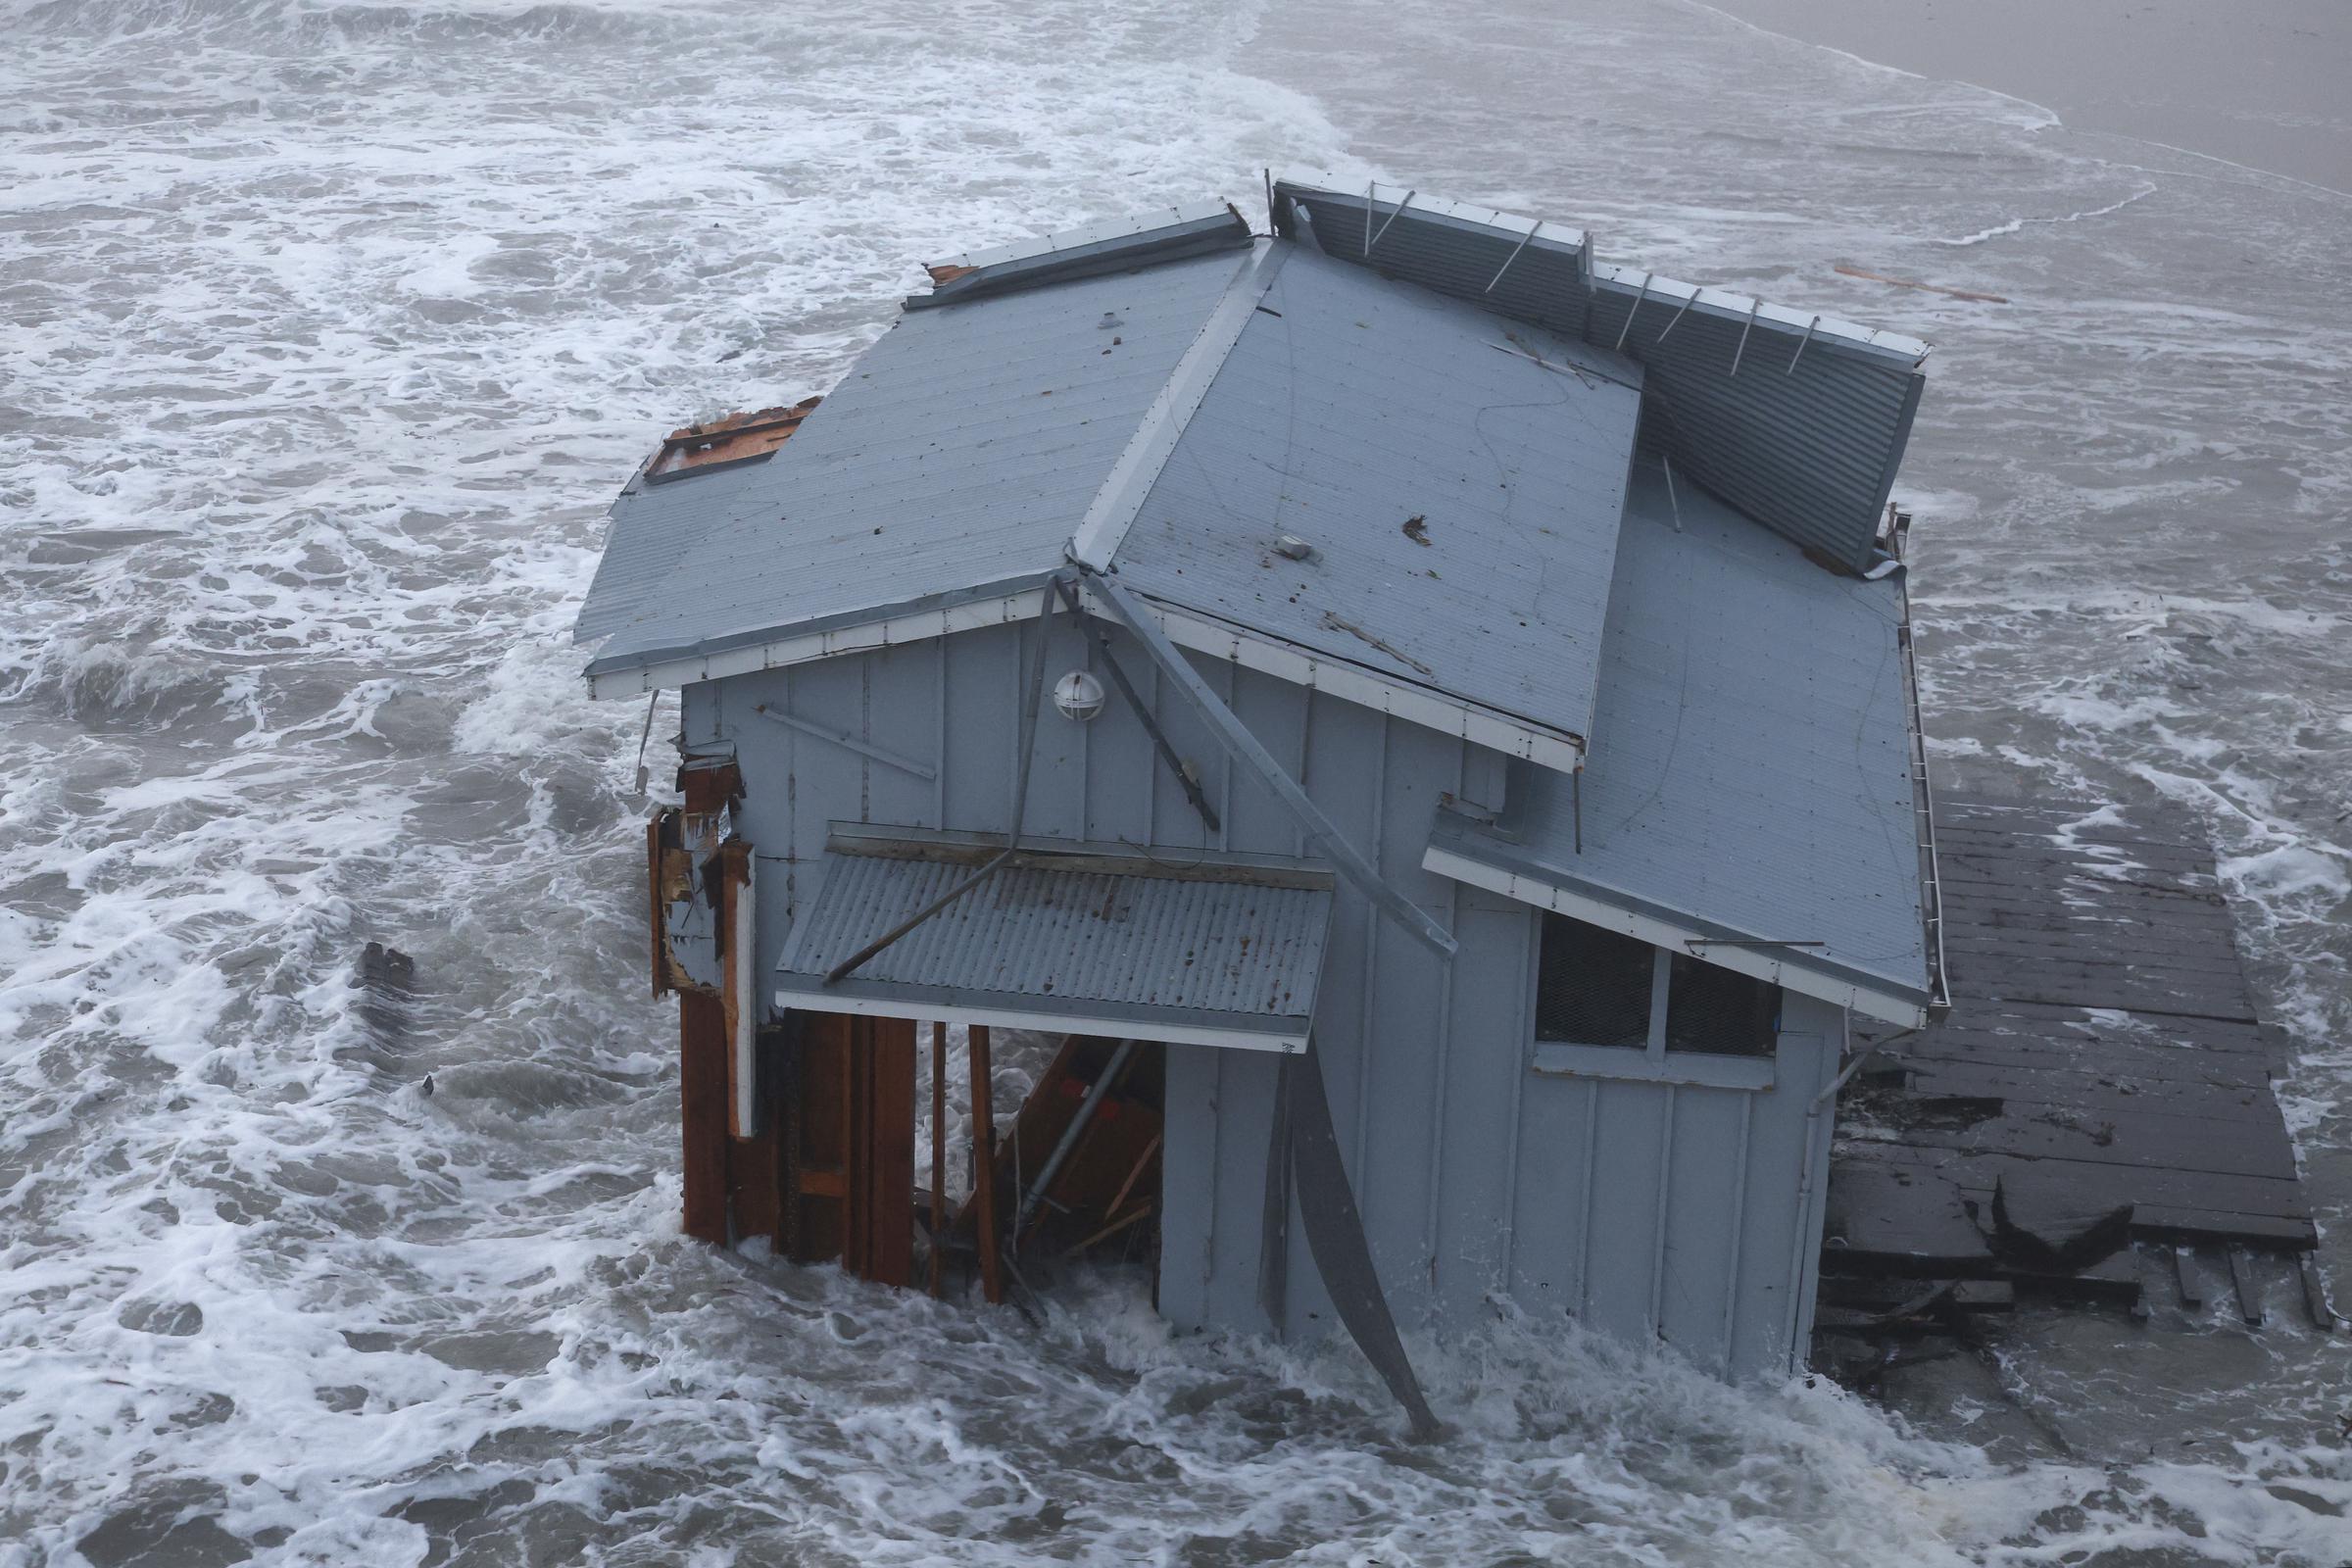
1108, 943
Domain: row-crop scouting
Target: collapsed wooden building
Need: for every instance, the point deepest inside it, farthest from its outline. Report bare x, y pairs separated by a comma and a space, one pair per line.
1425, 713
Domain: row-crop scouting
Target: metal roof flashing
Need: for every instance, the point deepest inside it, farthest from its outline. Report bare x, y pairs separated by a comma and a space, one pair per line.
1112, 245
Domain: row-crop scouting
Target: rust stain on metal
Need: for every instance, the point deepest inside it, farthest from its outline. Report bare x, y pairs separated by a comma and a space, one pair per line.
1353, 630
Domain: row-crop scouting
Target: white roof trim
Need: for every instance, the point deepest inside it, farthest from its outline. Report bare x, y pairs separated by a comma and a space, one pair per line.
1419, 704
1757, 961
1119, 1025
803, 648
1131, 479
1095, 233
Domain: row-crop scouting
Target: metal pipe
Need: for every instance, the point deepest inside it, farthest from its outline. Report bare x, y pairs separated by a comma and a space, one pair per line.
1524, 241
1021, 802
1095, 1095
1679, 315
1754, 306
858, 960
1855, 1066
1801, 346
1248, 750
1638, 297
1392, 218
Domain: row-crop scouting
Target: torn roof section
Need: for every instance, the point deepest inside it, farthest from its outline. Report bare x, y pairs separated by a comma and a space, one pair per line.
1751, 767
952, 463
1386, 456
1798, 419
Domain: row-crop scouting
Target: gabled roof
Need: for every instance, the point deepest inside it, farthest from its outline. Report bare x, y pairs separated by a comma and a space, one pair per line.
1750, 773
1404, 489
952, 463
1456, 479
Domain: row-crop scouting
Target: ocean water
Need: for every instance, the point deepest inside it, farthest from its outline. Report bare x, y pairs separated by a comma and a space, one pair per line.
328, 331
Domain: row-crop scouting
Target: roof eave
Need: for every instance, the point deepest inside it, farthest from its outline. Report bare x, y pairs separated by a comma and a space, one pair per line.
1462, 851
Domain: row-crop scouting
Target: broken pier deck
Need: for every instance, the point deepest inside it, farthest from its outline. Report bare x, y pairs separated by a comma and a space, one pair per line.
2102, 1077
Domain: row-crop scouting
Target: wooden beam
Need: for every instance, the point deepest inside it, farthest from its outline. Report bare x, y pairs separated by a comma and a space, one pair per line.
703, 1107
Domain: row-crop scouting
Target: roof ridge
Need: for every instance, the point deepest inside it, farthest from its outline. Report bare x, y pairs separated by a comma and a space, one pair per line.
1123, 490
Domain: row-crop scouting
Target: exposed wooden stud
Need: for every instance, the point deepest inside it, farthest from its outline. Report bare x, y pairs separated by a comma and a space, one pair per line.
703, 1113
1112, 1229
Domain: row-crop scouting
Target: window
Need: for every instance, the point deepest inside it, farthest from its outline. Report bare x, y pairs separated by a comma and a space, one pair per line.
1595, 986
1603, 989
1710, 1009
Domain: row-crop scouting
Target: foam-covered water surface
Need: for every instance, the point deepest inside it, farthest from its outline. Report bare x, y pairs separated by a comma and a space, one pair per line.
330, 329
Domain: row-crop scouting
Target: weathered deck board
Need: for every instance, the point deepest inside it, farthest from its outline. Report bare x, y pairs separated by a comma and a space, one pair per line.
2103, 1045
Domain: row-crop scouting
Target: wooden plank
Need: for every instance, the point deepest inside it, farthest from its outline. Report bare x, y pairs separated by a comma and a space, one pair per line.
882, 1166
2119, 1138
703, 1107
2195, 1102
2094, 1184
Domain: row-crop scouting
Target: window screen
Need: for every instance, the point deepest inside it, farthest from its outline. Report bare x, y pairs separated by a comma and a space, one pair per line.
1592, 986
1710, 1009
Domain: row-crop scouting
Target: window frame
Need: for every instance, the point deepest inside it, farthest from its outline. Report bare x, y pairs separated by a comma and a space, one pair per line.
1650, 1063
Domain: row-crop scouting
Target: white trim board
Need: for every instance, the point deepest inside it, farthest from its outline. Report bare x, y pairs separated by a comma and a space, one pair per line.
1758, 962
1419, 704
1062, 1023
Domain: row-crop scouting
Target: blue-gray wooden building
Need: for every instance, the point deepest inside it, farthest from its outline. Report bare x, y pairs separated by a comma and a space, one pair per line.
1399, 634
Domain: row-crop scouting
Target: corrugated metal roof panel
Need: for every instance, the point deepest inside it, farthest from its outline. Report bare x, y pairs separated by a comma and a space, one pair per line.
962, 449
1109, 940
1805, 438
1810, 453
1472, 252
1461, 498
1751, 751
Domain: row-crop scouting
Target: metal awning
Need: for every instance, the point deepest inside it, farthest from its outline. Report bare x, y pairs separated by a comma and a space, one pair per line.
1193, 947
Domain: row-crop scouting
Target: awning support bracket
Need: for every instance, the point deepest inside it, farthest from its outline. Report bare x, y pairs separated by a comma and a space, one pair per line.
1036, 690
1160, 740
1244, 748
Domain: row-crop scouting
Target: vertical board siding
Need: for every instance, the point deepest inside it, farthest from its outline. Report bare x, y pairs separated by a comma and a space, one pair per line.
1476, 1175
1187, 1198
1703, 1187
1621, 1241
1472, 1201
